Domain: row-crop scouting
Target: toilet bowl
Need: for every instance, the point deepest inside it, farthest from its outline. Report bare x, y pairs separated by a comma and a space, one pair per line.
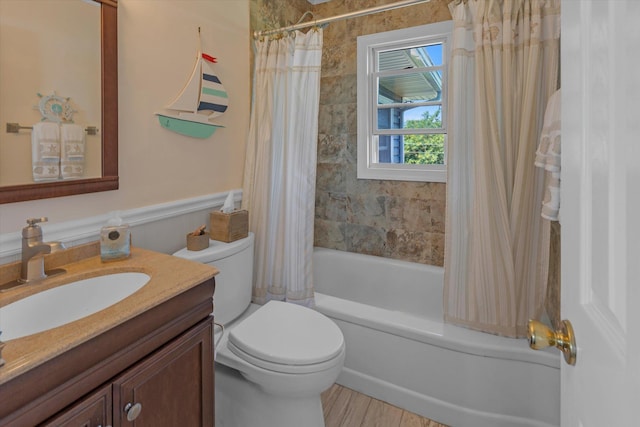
272, 361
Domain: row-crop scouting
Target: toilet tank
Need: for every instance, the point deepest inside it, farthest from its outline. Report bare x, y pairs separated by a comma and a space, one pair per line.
233, 284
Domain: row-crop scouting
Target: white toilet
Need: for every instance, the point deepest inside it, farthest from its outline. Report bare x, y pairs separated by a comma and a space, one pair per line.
272, 361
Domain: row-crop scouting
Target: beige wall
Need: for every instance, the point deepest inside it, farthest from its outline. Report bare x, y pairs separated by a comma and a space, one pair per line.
157, 44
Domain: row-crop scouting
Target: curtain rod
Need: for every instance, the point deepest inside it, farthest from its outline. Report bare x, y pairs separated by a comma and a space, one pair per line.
363, 12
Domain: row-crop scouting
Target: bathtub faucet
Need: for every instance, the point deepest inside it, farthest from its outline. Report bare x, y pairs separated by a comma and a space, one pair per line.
33, 251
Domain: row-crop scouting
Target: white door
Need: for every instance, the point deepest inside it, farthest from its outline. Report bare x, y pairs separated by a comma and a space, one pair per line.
601, 210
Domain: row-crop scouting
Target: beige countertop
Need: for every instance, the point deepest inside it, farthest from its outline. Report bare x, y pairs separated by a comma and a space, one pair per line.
170, 276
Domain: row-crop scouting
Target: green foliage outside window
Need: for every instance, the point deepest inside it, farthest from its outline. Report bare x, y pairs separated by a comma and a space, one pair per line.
424, 149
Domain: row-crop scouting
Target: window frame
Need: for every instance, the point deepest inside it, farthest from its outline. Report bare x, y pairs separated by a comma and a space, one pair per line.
367, 106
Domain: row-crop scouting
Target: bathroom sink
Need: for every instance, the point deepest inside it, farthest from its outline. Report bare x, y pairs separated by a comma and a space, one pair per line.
67, 303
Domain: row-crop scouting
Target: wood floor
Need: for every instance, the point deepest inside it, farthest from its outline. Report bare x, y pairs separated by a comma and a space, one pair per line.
344, 407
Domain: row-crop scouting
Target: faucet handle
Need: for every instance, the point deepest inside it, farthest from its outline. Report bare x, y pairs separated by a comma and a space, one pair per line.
33, 230
34, 221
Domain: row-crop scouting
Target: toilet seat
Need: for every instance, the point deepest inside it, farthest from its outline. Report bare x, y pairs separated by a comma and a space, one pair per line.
287, 338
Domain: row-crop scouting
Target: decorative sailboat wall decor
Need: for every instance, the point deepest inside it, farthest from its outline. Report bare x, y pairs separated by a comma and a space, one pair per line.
202, 99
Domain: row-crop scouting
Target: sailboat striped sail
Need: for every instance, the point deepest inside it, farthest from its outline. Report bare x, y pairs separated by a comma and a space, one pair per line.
202, 99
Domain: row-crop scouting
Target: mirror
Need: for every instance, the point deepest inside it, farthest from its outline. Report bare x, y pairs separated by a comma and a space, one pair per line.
107, 179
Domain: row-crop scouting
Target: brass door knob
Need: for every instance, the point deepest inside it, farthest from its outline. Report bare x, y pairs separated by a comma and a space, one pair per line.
541, 336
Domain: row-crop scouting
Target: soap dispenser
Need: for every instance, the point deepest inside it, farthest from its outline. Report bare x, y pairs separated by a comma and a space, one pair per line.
115, 240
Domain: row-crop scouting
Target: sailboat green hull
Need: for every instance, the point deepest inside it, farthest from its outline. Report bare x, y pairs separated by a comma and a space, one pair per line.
187, 127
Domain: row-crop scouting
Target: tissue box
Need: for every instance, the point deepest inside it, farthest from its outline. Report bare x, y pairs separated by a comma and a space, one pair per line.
228, 227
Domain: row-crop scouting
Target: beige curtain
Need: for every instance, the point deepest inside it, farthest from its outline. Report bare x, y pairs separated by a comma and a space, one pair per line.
280, 168
504, 67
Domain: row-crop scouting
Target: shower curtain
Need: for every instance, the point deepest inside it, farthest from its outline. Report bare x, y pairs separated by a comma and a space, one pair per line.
504, 67
280, 168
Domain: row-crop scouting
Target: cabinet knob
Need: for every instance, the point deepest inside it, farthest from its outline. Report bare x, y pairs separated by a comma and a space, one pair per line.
132, 410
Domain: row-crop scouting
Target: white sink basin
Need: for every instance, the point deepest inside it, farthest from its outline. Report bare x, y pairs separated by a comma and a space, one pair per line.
64, 304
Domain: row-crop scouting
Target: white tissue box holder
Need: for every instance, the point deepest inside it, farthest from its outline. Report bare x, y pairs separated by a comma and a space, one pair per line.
229, 227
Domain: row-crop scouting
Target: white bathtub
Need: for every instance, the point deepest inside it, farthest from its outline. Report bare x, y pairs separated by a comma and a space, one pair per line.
400, 351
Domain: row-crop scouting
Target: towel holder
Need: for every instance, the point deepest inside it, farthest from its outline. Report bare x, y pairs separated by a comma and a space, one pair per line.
15, 128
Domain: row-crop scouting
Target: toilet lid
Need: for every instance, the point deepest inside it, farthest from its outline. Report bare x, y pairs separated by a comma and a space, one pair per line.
280, 333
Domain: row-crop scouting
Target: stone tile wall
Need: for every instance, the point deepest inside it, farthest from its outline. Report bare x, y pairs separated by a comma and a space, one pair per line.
394, 219
402, 220
273, 14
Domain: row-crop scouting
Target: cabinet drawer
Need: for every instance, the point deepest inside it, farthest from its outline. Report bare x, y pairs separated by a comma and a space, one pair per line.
93, 411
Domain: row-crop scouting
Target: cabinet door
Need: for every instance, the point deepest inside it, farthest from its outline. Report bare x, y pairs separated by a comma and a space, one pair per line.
93, 411
172, 387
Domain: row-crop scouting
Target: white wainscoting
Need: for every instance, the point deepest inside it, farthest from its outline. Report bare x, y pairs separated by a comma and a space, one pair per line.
161, 227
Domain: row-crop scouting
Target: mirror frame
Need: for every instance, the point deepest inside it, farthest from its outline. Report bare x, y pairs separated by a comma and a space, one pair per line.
109, 180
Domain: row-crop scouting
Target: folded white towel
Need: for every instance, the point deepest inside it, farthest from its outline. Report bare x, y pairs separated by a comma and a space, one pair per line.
548, 157
549, 150
72, 155
45, 151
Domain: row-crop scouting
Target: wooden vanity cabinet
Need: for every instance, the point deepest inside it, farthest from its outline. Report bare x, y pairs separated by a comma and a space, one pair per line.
172, 387
161, 360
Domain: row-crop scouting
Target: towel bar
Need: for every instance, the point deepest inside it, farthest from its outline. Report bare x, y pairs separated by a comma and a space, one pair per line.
15, 128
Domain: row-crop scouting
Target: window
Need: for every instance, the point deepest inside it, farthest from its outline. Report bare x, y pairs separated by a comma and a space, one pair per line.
402, 76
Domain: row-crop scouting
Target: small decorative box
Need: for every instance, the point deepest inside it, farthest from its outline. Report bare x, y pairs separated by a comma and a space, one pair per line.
229, 227
197, 243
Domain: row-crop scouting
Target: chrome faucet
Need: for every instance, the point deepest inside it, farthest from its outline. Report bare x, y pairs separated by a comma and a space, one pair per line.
33, 251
